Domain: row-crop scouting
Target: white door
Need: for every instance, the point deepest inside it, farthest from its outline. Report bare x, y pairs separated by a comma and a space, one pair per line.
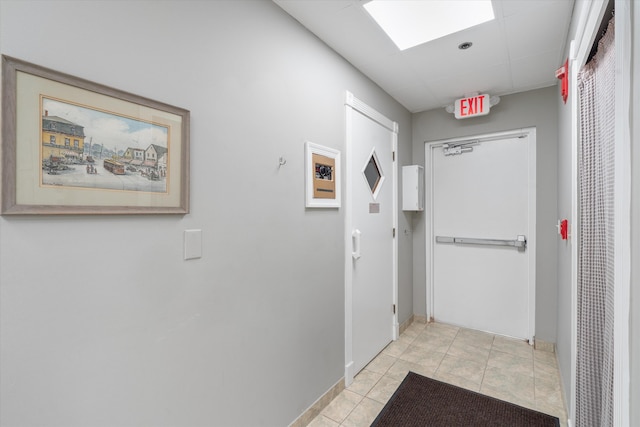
370, 235
483, 198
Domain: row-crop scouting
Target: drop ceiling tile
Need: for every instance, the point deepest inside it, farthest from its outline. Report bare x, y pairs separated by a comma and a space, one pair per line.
535, 70
393, 72
518, 7
441, 58
494, 80
540, 29
415, 98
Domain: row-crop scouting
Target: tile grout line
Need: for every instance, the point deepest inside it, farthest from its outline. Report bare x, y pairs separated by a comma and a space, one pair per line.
533, 369
445, 353
486, 365
369, 391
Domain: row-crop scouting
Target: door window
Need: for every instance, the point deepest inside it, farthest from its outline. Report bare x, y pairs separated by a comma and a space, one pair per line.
373, 174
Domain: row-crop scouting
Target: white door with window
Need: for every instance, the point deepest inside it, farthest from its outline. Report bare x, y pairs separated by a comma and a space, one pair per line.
370, 236
481, 242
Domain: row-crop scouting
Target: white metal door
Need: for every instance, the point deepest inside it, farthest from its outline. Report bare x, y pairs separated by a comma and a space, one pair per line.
483, 198
370, 235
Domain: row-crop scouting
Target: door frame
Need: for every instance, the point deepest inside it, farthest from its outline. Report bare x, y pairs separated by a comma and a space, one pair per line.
531, 232
353, 105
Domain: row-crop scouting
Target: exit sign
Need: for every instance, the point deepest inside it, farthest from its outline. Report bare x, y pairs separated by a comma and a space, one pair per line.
472, 107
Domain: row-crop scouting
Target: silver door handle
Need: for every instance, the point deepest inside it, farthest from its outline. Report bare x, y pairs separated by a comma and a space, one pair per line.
355, 241
520, 242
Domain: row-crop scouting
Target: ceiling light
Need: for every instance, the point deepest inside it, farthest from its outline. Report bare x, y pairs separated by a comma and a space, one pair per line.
465, 45
412, 22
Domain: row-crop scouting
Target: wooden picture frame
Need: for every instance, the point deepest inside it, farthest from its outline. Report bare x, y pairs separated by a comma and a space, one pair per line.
72, 146
322, 176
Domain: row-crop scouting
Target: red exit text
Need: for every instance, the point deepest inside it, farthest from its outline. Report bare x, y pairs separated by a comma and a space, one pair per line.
472, 107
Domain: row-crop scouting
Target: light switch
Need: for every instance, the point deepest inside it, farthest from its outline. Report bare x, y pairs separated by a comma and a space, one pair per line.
192, 244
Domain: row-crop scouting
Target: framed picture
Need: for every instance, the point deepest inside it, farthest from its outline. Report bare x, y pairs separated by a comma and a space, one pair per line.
71, 146
322, 176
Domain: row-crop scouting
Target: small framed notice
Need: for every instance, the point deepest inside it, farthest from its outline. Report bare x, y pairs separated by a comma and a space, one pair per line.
322, 176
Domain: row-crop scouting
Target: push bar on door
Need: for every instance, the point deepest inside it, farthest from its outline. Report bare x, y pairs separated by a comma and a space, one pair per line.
520, 243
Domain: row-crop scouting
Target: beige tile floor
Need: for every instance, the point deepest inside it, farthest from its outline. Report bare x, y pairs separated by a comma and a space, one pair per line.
504, 368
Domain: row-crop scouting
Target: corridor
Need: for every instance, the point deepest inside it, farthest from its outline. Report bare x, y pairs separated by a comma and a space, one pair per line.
504, 368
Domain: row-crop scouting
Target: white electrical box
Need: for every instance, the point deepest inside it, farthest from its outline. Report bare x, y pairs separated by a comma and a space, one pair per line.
412, 188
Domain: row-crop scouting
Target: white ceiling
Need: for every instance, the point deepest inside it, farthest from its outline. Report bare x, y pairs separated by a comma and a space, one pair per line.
520, 50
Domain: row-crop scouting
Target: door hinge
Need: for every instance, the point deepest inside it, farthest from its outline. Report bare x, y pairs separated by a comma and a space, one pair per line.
394, 309
393, 155
394, 232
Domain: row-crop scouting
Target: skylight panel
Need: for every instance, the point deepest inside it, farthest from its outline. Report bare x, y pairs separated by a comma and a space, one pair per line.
412, 22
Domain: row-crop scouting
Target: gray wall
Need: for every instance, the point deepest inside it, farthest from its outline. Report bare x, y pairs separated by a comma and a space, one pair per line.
634, 331
563, 344
252, 333
537, 108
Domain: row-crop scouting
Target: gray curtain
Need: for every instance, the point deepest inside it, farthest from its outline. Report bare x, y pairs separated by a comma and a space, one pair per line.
594, 375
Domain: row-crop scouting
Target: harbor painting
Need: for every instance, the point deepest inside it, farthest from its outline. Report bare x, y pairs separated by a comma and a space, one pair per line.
88, 148
71, 146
